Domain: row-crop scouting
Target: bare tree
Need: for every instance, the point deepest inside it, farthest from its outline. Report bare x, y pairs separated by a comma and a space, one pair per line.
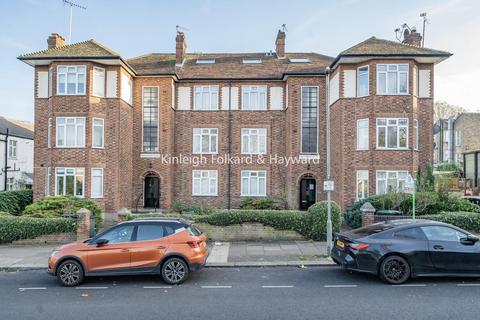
444, 110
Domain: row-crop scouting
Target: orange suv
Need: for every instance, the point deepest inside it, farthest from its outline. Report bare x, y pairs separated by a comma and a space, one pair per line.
170, 247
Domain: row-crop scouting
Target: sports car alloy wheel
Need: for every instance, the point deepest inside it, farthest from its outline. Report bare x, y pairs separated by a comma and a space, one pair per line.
395, 270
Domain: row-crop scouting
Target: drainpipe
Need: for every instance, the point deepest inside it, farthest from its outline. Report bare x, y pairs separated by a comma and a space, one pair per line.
229, 142
329, 193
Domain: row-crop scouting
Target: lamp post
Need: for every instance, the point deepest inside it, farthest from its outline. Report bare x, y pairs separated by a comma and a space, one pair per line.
328, 184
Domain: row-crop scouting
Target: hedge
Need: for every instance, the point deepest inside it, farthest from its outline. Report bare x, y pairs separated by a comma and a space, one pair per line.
56, 206
466, 220
260, 203
310, 224
16, 228
14, 202
181, 207
427, 203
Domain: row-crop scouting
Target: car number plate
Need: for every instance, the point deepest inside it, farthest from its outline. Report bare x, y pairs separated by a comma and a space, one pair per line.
340, 244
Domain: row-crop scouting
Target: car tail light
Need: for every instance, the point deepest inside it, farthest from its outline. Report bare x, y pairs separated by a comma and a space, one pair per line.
359, 246
194, 244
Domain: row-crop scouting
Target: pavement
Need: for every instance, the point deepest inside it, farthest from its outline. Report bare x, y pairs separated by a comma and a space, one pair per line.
239, 293
222, 254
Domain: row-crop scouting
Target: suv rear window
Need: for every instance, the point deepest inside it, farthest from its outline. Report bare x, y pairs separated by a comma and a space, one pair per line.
194, 231
371, 229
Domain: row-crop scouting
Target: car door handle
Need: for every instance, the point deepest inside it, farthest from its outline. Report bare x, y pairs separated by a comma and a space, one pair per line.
438, 247
161, 247
124, 250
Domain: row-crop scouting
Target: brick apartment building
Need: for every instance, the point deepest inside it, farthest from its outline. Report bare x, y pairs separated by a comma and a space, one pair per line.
121, 131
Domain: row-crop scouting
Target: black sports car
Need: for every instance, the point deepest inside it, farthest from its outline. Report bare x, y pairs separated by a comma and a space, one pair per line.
399, 249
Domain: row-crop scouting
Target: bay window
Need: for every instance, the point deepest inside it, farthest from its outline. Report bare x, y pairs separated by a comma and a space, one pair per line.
70, 132
98, 82
363, 82
69, 181
391, 181
71, 80
415, 134
97, 183
392, 133
98, 133
362, 134
392, 79
362, 184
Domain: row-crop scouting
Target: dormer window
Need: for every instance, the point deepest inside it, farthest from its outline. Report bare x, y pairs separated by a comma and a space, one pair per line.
205, 61
299, 60
252, 61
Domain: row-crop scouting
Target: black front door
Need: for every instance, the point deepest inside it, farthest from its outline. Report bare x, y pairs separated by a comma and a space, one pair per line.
152, 194
308, 191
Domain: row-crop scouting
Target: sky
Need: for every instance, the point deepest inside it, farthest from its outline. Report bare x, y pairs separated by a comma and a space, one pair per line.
136, 27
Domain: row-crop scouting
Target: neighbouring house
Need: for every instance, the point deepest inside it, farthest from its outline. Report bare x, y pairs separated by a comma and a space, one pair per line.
467, 145
120, 131
16, 154
444, 141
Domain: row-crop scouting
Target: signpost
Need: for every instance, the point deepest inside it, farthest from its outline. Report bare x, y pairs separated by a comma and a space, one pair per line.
410, 189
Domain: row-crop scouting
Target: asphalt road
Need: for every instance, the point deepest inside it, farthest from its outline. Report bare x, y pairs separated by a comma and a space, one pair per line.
240, 293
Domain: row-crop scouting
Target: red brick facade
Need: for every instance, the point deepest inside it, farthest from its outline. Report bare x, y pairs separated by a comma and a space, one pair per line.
126, 166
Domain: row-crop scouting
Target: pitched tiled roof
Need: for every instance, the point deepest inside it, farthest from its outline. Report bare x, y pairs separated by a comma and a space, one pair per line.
86, 49
374, 46
21, 130
229, 65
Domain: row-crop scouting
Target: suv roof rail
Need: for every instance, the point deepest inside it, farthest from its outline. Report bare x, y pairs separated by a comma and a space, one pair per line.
166, 219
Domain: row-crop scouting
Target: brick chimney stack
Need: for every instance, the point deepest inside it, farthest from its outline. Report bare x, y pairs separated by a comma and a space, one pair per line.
181, 48
55, 41
412, 37
280, 44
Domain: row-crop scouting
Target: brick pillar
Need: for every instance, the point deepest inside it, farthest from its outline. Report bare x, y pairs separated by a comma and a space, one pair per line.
368, 214
122, 215
83, 224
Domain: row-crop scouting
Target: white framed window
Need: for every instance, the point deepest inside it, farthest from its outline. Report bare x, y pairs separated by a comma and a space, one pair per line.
309, 120
458, 138
392, 79
70, 181
47, 181
97, 183
71, 80
204, 182
49, 133
415, 134
362, 184
12, 148
10, 183
363, 81
390, 181
99, 82
205, 98
70, 132
392, 133
205, 140
254, 140
254, 97
254, 183
98, 133
362, 134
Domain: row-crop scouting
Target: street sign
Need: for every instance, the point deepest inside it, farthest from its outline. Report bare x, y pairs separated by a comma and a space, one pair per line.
328, 185
409, 185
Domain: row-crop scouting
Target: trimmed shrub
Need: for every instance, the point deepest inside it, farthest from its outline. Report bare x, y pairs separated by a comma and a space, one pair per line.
317, 220
14, 202
466, 220
256, 203
278, 219
181, 207
3, 214
427, 203
16, 228
56, 206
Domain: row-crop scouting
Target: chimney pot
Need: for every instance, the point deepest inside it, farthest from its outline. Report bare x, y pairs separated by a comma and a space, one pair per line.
55, 40
280, 44
181, 48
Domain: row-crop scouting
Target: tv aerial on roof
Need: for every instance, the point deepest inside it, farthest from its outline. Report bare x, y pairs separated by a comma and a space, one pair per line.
179, 28
284, 27
72, 5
